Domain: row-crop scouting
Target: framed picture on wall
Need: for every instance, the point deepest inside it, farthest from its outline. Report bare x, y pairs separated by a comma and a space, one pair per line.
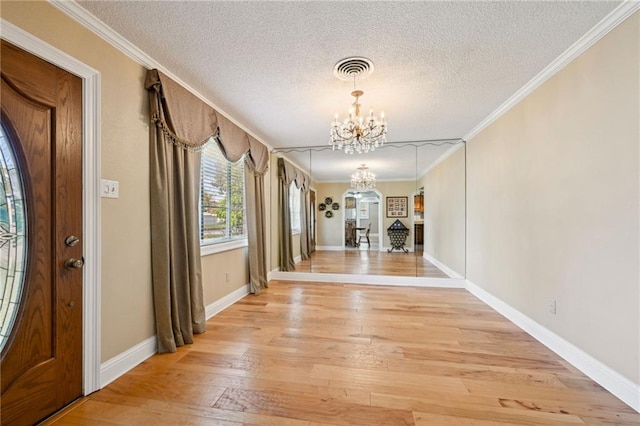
397, 206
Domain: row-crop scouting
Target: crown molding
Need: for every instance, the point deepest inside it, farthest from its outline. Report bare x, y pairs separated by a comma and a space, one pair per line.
102, 30
608, 23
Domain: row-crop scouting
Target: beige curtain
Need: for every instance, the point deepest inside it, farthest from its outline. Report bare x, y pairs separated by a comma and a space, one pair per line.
180, 130
303, 183
256, 165
234, 143
183, 124
286, 175
305, 251
312, 215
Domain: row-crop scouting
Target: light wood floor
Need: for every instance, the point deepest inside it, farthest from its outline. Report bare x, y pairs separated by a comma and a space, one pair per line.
370, 262
330, 354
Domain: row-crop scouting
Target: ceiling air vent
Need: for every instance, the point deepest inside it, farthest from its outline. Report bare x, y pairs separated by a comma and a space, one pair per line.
352, 68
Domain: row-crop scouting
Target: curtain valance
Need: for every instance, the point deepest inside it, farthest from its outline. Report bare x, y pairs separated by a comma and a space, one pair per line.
303, 181
258, 158
232, 140
186, 120
288, 173
189, 122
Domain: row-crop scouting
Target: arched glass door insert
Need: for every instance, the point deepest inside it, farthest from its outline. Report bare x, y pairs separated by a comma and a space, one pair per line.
13, 238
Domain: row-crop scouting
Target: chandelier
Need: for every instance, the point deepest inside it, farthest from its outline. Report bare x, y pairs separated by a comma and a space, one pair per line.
363, 179
356, 133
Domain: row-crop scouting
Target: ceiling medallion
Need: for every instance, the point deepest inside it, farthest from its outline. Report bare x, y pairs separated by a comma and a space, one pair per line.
363, 179
356, 133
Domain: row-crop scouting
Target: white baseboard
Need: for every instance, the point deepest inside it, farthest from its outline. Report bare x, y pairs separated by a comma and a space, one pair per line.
444, 268
623, 388
388, 280
329, 248
121, 363
297, 259
226, 301
270, 273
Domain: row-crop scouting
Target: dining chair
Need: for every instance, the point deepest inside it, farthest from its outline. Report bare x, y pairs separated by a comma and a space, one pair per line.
366, 235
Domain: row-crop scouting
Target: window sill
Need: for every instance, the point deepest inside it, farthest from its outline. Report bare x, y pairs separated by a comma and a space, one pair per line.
206, 250
296, 232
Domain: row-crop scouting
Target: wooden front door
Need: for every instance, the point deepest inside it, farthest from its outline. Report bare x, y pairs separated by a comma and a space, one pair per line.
41, 364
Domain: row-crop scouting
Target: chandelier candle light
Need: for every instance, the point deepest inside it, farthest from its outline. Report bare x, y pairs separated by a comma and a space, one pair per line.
356, 133
363, 179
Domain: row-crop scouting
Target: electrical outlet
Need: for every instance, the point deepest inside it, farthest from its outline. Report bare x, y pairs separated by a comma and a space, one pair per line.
226, 276
552, 307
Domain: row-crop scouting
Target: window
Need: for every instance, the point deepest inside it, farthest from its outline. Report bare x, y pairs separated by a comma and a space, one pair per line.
13, 246
222, 203
294, 207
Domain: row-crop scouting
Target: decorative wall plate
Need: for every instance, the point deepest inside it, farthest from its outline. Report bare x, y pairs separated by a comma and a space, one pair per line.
328, 201
335, 206
322, 206
328, 213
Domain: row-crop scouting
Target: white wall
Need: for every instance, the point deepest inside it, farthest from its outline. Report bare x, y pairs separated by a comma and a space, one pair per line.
553, 203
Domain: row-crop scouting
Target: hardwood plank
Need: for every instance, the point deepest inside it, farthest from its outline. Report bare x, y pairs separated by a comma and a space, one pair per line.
206, 394
98, 411
523, 361
300, 406
430, 419
359, 377
475, 411
478, 372
208, 413
601, 412
196, 379
523, 392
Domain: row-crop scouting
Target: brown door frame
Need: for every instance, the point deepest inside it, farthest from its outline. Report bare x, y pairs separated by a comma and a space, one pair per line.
91, 190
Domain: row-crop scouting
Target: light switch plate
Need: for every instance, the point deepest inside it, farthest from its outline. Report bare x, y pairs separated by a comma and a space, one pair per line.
110, 189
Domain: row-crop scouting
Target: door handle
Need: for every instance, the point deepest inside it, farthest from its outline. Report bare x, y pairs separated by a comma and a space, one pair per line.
74, 263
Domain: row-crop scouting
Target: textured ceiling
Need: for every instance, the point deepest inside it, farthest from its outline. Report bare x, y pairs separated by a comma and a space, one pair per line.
440, 67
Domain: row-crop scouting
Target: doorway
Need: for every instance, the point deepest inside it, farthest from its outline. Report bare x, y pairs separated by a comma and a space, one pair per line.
42, 349
362, 213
